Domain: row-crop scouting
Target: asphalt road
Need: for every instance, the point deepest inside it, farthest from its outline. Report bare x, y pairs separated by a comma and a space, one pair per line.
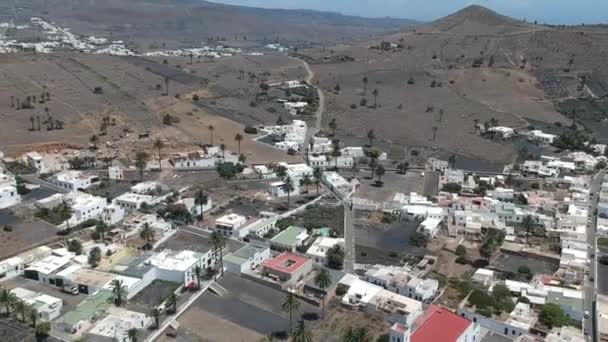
590, 286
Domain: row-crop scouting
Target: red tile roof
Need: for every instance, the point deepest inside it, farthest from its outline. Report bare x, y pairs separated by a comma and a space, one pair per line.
286, 262
439, 324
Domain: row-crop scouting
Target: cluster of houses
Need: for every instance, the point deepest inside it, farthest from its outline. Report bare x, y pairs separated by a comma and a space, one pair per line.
290, 137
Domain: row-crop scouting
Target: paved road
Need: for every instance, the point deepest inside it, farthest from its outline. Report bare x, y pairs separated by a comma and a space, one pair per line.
349, 238
589, 287
320, 108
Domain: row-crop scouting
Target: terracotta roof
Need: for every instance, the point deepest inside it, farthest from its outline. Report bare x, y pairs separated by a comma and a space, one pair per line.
439, 324
286, 262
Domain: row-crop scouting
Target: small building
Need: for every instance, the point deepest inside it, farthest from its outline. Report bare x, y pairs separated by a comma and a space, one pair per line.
112, 214
437, 324
246, 258
230, 225
47, 307
540, 137
277, 189
289, 239
502, 131
84, 207
262, 226
35, 161
318, 250
116, 325
336, 182
72, 180
85, 313
484, 276
131, 201
287, 268
194, 208
89, 281
11, 267
401, 281
9, 196
116, 173
431, 226
179, 267
43, 270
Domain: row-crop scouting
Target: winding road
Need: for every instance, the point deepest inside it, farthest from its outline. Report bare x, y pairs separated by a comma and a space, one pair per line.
320, 108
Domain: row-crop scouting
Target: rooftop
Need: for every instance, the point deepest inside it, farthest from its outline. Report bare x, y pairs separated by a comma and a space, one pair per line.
439, 324
244, 253
175, 261
231, 219
49, 264
291, 236
286, 262
88, 308
93, 278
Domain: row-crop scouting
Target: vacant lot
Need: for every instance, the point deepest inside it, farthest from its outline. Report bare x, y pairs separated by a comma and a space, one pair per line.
25, 235
151, 296
393, 182
250, 306
69, 301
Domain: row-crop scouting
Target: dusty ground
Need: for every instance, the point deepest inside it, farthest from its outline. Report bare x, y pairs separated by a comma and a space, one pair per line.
339, 319
26, 233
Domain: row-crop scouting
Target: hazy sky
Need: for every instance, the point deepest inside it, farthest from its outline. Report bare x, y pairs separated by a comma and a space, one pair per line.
550, 11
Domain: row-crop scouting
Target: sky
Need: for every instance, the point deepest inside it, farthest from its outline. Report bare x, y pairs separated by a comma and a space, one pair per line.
545, 11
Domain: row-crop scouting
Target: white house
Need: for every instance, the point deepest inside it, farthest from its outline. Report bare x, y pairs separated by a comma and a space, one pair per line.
504, 132
295, 107
47, 307
336, 182
230, 225
317, 252
401, 281
72, 180
116, 173
116, 325
43, 270
179, 266
246, 258
195, 209
9, 196
131, 201
484, 276
205, 159
431, 226
112, 214
539, 136
277, 189
84, 207
35, 161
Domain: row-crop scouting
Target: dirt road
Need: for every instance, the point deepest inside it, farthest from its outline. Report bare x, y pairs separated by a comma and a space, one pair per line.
320, 108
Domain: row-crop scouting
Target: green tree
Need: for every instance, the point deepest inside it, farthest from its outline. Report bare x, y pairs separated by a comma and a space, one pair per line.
290, 305
147, 233
323, 281
65, 214
306, 181
525, 271
201, 199
198, 273
94, 140
335, 257
528, 224
380, 171
133, 334
238, 138
336, 152
101, 228
43, 330
141, 161
20, 308
155, 313
7, 299
172, 302
288, 187
218, 242
317, 174
119, 292
159, 145
94, 257
402, 167
371, 136
301, 333
281, 172
333, 125
365, 80
211, 129
75, 246
375, 92
552, 316
461, 251
33, 313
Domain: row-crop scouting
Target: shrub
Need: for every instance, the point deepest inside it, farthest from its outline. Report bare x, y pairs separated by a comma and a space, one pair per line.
363, 102
418, 239
552, 315
251, 130
353, 106
253, 104
169, 119
98, 90
195, 98
523, 299
8, 228
452, 188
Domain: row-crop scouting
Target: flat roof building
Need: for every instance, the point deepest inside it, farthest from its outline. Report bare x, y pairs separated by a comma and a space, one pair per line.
289, 239
287, 268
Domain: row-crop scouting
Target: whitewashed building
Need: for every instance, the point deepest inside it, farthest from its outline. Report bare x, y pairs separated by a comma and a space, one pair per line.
231, 224
72, 180
84, 207
317, 252
9, 196
47, 307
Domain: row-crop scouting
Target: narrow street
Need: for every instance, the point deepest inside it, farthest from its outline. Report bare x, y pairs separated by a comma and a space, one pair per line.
589, 286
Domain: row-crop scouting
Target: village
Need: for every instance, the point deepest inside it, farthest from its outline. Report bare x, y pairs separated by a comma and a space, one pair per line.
147, 247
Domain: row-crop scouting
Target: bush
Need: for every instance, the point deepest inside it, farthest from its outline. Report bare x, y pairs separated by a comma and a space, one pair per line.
463, 260
285, 223
341, 290
353, 106
363, 102
523, 299
22, 189
251, 130
461, 251
195, 98
8, 228
253, 104
98, 90
452, 188
169, 119
418, 239
229, 170
552, 315
335, 257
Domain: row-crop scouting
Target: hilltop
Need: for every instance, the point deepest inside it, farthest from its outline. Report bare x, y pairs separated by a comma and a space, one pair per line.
476, 19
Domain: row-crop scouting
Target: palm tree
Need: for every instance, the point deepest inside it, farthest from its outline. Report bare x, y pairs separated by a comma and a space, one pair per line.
158, 144
281, 172
141, 161
288, 186
201, 199
371, 136
336, 152
223, 149
301, 333
218, 242
242, 159
155, 313
7, 299
119, 292
349, 335
21, 309
375, 93
380, 171
362, 334
290, 305
402, 167
94, 140
65, 213
452, 161
323, 281
33, 317
42, 330
365, 80
172, 302
101, 228
238, 138
317, 174
333, 125
133, 333
528, 224
475, 125
211, 129
198, 273
306, 181
435, 128
166, 86
147, 233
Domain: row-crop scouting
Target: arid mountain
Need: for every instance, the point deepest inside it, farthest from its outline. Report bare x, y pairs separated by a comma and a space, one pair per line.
192, 21
476, 20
